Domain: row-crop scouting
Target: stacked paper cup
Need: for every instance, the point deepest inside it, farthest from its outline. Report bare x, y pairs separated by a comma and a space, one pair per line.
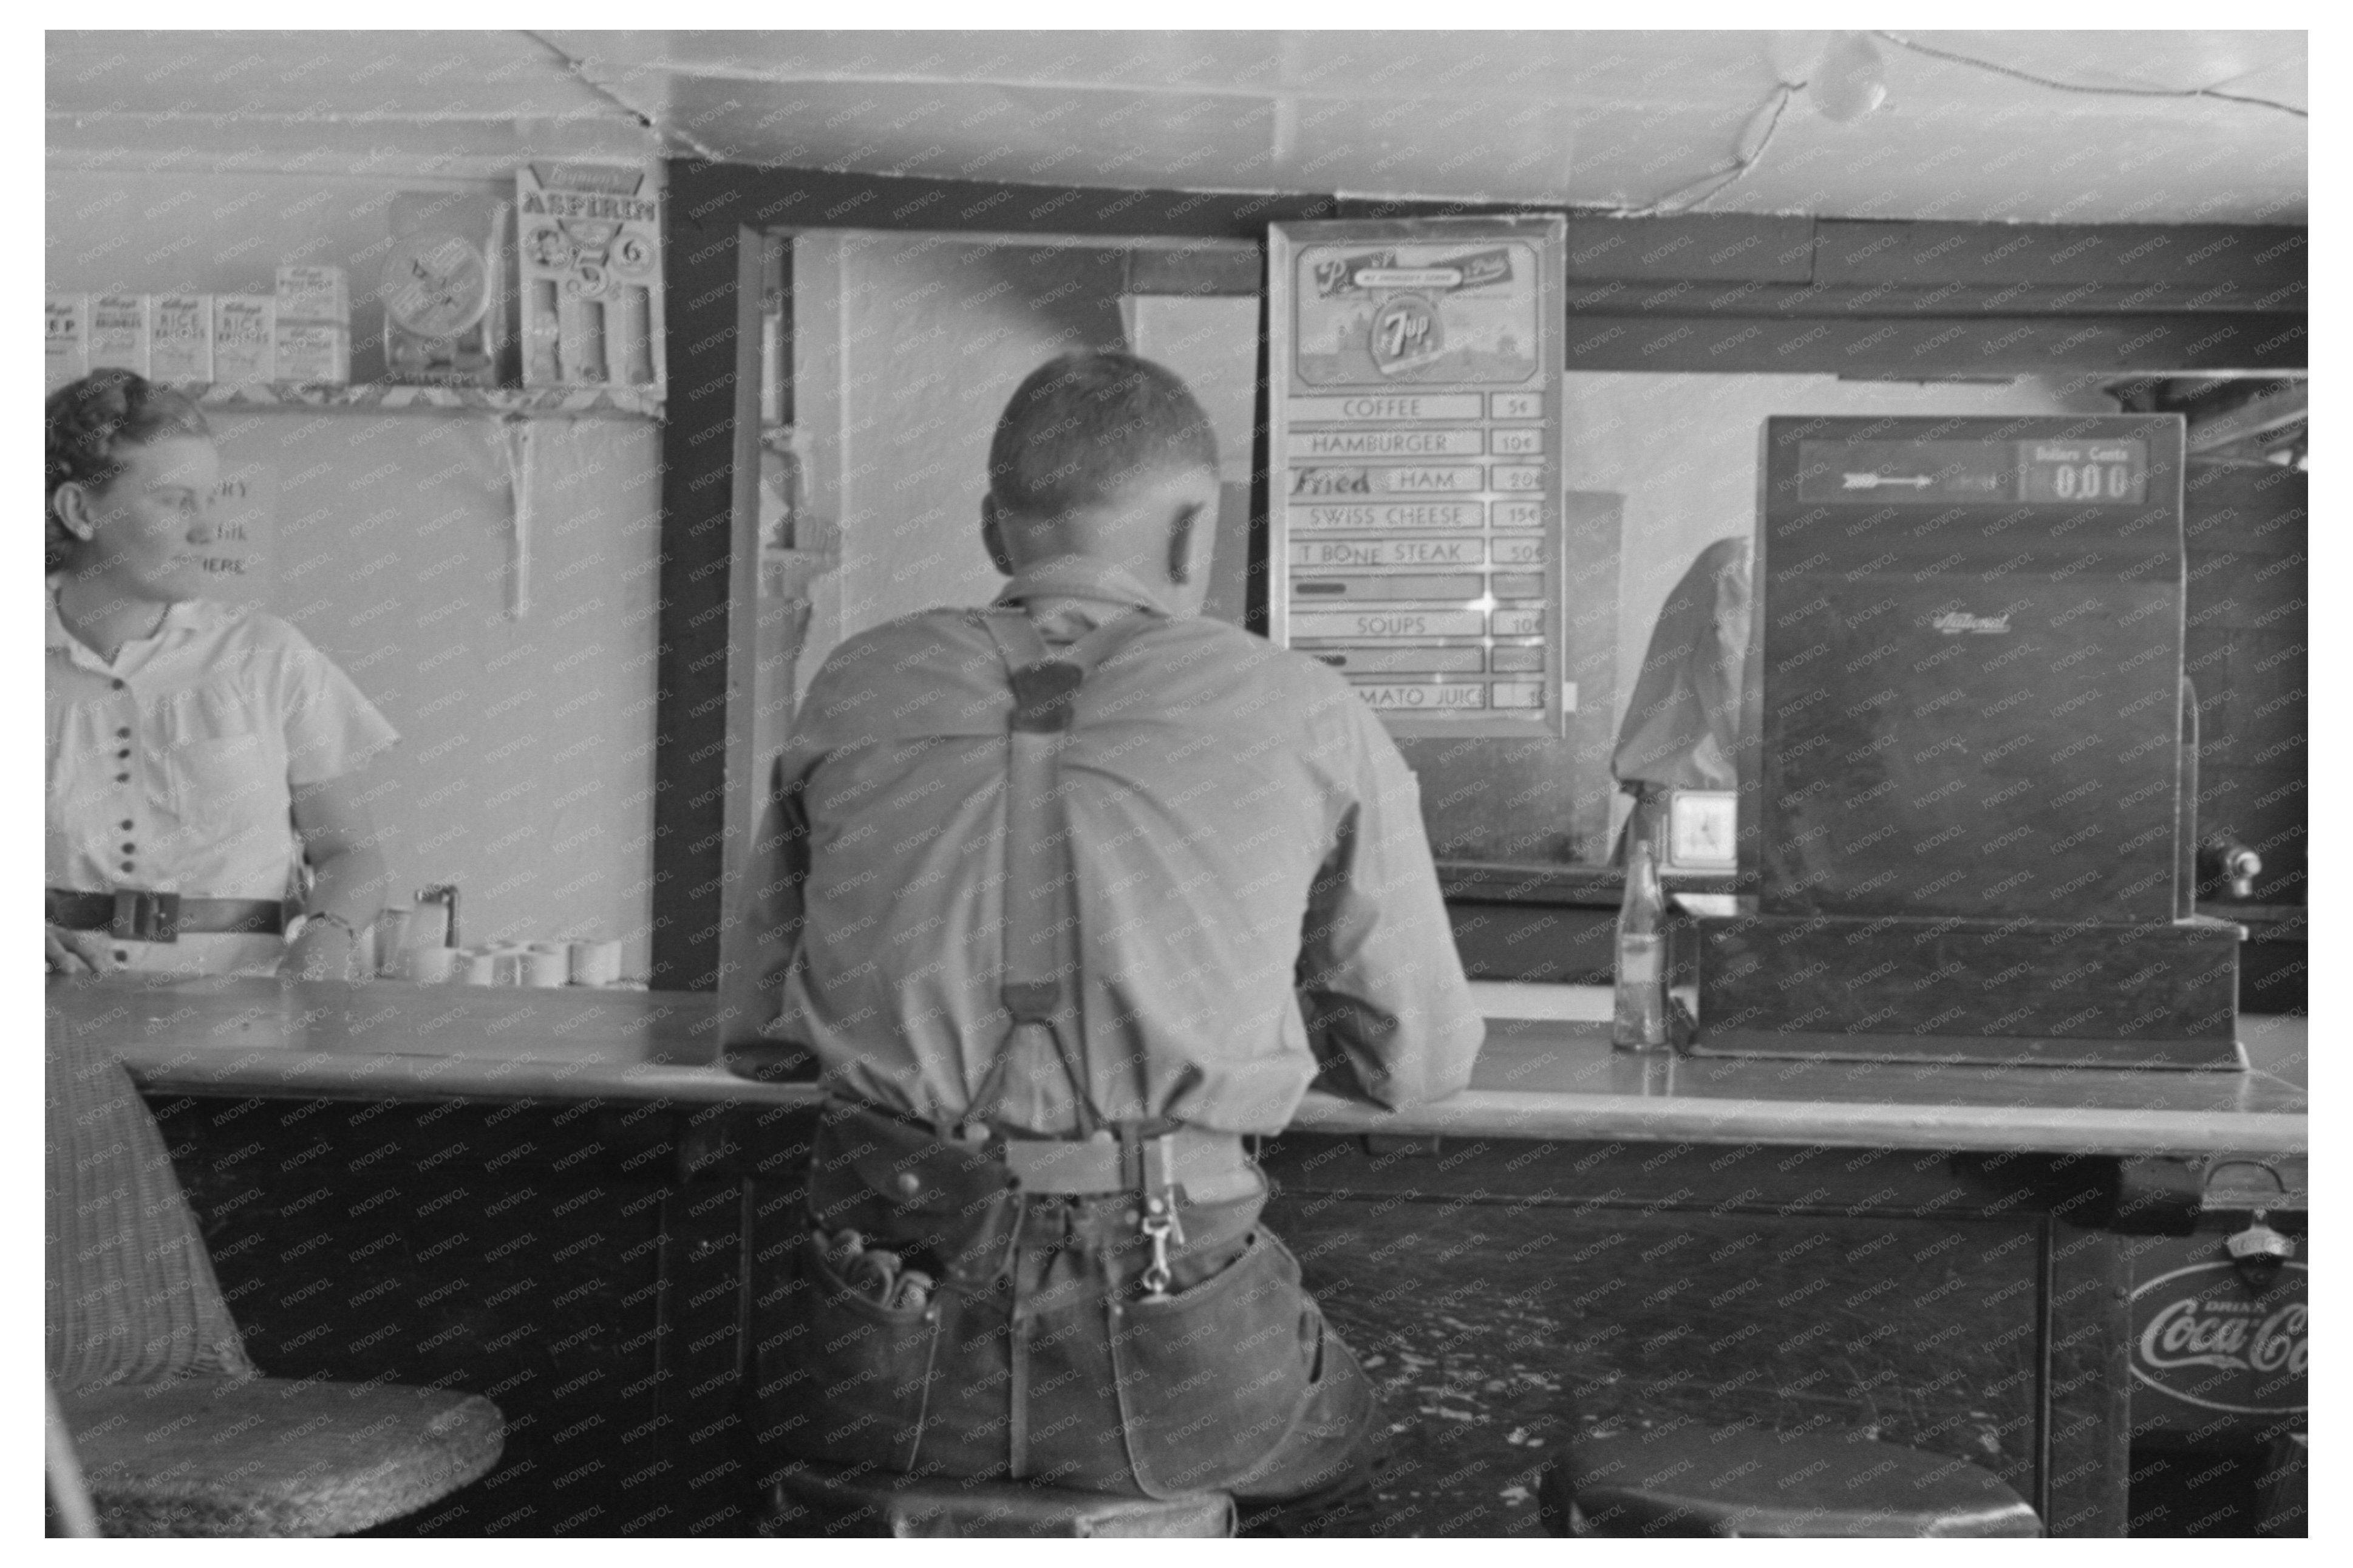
428, 966
594, 963
548, 964
411, 942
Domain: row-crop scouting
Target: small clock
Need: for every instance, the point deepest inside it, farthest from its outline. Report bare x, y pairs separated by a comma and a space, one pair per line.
436, 285
1701, 830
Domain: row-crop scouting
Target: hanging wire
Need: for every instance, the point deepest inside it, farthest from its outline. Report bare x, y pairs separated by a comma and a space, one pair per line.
1770, 112
579, 71
1933, 53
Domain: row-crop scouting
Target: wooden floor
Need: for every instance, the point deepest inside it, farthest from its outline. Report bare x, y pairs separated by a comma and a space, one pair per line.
1473, 1409
1497, 1328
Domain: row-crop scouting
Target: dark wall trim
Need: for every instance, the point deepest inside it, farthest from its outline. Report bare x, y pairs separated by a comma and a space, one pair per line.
691, 645
714, 197
1726, 292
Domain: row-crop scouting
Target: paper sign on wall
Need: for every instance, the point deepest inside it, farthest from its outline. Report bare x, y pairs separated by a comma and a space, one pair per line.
1416, 376
244, 527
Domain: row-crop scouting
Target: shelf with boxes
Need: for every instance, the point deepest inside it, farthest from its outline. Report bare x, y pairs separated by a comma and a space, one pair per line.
545, 302
292, 351
381, 397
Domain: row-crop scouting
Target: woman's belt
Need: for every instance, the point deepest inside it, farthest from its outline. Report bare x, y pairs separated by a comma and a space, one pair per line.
136, 915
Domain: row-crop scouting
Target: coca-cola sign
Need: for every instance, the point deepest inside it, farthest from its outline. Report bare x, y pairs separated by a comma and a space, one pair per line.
2203, 1336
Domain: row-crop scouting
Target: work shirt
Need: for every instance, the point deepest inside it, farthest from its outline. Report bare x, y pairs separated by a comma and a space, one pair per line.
172, 769
1250, 874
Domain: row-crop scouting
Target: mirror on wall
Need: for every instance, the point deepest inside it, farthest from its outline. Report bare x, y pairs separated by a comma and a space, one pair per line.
885, 356
885, 359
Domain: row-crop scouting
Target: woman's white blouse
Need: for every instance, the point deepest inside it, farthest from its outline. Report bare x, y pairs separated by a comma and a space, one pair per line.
171, 770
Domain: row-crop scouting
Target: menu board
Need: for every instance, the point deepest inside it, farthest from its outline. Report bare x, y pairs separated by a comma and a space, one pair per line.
1416, 388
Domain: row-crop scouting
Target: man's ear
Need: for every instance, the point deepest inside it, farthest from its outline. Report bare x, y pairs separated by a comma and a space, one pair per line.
1180, 542
992, 536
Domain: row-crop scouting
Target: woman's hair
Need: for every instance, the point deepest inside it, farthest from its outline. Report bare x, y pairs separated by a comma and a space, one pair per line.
93, 422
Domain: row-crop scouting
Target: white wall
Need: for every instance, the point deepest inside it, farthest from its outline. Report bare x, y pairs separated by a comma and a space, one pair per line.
937, 337
525, 774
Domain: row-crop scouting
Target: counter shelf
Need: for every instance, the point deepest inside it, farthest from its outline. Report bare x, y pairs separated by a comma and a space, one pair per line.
1546, 1072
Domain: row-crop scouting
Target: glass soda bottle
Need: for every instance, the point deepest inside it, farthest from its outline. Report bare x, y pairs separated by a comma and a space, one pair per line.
1640, 1020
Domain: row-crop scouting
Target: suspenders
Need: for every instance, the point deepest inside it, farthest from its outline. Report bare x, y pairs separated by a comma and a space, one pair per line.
1039, 989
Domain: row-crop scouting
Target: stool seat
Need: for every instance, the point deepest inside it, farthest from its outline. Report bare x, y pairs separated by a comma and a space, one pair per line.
1741, 1481
262, 1455
169, 1425
820, 1499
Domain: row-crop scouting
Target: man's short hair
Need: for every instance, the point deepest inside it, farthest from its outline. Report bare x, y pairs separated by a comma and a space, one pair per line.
1082, 427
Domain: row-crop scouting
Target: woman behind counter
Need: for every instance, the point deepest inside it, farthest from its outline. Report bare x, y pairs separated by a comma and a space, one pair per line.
195, 749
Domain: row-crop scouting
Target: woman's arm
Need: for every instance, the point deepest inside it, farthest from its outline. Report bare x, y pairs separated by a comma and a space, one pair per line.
352, 879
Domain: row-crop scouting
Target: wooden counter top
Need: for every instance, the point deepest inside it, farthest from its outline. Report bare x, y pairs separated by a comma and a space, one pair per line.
1547, 1071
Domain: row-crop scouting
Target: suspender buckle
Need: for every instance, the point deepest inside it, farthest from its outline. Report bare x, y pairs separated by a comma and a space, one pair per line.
1041, 696
1031, 1002
143, 917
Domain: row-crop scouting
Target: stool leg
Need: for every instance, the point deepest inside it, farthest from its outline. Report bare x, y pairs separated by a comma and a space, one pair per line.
1555, 1507
71, 1512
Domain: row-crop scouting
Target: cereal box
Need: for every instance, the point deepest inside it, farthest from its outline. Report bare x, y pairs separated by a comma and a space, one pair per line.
69, 339
316, 354
180, 337
245, 339
118, 333
315, 294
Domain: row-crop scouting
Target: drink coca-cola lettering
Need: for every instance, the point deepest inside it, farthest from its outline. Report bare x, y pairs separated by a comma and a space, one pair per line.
2205, 1338
2181, 1335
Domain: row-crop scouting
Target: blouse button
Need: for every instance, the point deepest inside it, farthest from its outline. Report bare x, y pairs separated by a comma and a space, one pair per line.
122, 685
127, 866
122, 778
122, 735
126, 824
121, 955
129, 849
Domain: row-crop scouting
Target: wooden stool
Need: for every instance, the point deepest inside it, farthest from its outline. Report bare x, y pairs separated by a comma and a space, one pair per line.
819, 1499
1740, 1481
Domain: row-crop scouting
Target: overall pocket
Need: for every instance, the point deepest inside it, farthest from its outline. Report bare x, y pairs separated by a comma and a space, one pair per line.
1212, 1380
845, 1380
944, 1199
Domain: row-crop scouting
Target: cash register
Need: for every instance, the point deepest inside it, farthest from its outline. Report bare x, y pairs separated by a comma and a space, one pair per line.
1967, 830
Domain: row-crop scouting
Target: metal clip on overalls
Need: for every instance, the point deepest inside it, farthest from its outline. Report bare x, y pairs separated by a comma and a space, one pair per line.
1160, 1227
